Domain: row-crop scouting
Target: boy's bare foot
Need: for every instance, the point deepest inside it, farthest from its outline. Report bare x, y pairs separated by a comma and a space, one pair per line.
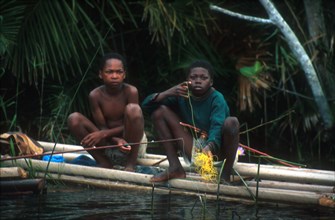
129, 169
166, 175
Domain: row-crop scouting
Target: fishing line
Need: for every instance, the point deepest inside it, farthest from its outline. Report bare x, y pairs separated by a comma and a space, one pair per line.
204, 164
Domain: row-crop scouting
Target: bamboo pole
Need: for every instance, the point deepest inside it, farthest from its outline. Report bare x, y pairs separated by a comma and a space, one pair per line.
48, 146
288, 174
293, 186
73, 169
264, 194
271, 172
107, 184
12, 172
22, 186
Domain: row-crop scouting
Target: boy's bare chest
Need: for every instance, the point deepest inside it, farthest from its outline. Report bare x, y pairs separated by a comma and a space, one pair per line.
113, 107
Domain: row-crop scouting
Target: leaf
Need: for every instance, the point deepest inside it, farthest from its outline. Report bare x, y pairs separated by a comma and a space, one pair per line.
251, 71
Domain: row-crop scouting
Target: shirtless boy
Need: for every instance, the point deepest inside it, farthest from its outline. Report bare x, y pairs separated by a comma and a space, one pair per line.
117, 116
208, 111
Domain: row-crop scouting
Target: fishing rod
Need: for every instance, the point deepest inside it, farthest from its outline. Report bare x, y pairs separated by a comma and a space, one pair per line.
88, 149
267, 155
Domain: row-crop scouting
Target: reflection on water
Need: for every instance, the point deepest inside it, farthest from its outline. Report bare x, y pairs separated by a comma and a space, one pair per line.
83, 203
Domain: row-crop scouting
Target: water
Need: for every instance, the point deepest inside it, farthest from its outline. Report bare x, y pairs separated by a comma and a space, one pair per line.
78, 202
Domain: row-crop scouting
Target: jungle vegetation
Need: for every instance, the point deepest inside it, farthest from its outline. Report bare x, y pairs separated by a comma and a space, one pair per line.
49, 52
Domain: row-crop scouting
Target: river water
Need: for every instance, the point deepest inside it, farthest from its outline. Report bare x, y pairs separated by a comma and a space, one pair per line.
79, 202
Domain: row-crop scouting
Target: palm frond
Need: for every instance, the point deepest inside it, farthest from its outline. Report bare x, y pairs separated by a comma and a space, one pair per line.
53, 36
167, 19
11, 18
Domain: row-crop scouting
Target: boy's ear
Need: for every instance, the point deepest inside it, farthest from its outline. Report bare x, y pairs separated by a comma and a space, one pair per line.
211, 82
100, 75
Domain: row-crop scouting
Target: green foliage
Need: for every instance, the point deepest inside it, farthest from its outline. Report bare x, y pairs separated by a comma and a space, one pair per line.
11, 18
252, 71
182, 17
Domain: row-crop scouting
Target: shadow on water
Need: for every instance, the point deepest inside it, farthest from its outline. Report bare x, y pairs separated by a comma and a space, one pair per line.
83, 203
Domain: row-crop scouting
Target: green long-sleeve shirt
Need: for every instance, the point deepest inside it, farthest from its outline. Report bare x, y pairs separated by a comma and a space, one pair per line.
209, 112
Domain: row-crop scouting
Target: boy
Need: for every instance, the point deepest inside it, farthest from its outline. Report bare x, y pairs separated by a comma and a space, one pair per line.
117, 116
198, 104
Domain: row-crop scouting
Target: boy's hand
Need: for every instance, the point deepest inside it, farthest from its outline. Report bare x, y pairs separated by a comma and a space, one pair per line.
92, 139
180, 90
206, 150
124, 146
185, 89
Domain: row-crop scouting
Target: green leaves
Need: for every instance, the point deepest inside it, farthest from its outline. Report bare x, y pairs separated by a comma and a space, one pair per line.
252, 71
11, 19
169, 21
49, 39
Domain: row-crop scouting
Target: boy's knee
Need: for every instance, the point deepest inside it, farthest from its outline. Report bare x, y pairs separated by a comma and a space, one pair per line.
73, 118
159, 112
232, 122
133, 110
231, 125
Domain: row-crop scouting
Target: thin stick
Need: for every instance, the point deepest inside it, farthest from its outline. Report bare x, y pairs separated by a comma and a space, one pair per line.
267, 155
160, 161
198, 130
269, 122
87, 149
257, 179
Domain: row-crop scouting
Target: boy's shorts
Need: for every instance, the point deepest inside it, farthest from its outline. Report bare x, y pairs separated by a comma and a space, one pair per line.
117, 157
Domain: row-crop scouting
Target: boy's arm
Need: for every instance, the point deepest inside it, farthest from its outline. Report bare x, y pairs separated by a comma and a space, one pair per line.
152, 101
96, 137
96, 111
178, 90
132, 95
219, 113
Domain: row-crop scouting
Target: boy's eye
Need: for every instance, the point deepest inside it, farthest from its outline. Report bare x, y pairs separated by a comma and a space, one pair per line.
200, 77
114, 71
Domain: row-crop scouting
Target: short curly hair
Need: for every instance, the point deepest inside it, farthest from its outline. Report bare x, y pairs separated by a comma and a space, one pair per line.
201, 63
112, 55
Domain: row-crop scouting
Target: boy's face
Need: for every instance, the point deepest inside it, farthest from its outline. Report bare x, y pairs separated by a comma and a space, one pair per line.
200, 81
113, 73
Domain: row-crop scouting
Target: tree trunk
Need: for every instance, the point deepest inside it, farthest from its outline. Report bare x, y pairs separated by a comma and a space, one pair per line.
304, 61
320, 47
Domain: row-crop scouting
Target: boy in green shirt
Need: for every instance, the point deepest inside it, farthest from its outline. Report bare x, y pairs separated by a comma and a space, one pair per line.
197, 103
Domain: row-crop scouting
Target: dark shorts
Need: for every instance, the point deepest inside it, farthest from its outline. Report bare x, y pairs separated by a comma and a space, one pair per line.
117, 157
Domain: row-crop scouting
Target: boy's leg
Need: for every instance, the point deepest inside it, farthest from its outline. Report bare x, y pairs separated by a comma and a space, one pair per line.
230, 134
167, 126
80, 126
133, 132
